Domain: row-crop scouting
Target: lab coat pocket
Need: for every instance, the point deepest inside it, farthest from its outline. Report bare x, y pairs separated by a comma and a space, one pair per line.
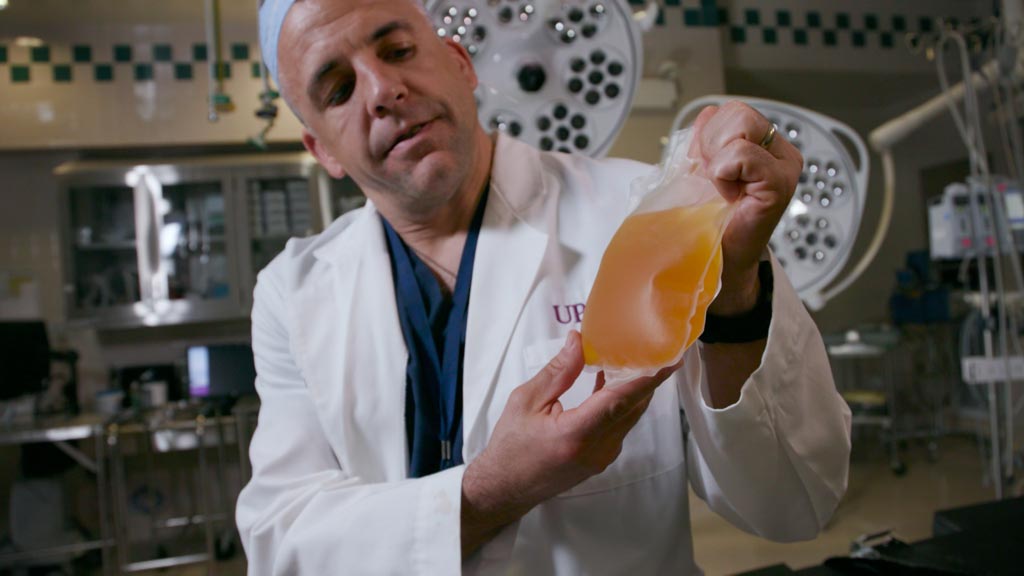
652, 447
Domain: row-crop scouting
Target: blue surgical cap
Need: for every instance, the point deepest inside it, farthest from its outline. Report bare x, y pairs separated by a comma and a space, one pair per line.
272, 14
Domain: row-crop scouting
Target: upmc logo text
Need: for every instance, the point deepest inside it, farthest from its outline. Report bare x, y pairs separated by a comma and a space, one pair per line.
569, 313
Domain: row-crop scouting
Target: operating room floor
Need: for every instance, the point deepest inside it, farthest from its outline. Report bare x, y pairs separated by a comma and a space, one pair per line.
876, 500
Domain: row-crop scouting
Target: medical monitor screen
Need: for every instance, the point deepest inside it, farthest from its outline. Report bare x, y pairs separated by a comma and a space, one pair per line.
221, 370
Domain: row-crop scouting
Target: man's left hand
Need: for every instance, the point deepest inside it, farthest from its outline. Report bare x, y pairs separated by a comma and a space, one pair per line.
759, 179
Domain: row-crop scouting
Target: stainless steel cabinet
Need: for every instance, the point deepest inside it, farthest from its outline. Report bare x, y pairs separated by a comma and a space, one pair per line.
169, 243
337, 197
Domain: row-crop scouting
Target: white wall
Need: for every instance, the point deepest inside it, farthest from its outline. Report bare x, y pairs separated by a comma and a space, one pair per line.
29, 244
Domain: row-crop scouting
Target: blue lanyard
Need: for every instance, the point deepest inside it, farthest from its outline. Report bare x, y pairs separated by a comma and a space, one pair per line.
435, 377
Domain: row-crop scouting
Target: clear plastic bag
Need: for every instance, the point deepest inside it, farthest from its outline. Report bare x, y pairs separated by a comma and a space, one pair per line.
659, 273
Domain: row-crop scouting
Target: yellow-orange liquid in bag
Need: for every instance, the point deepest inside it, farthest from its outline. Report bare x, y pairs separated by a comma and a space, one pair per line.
657, 278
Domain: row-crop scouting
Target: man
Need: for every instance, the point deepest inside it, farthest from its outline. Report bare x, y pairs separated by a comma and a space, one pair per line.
408, 428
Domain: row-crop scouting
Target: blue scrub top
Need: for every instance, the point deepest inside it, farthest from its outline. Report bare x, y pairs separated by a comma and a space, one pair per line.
434, 327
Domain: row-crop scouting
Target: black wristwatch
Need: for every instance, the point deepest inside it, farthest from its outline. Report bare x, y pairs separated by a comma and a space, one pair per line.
750, 326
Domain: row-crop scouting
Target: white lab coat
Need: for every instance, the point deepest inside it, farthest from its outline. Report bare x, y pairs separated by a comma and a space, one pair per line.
330, 493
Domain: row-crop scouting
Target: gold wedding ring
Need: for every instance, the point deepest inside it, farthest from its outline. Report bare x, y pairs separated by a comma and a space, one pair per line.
766, 142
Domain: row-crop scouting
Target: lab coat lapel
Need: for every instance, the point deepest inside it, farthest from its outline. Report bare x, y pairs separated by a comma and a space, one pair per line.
509, 255
354, 350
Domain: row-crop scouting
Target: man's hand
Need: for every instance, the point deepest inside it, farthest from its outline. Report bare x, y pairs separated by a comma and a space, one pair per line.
538, 450
761, 180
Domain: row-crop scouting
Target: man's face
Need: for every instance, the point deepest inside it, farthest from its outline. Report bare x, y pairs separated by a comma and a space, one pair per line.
384, 100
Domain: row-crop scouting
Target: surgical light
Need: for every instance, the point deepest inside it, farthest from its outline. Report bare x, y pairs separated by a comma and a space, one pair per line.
558, 75
815, 237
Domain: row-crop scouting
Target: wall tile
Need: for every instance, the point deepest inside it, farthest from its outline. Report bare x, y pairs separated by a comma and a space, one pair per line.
122, 53
82, 53
20, 74
40, 54
103, 72
143, 72
182, 71
162, 53
239, 51
62, 73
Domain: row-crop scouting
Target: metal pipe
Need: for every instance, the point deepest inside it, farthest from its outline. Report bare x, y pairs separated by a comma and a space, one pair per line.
241, 439
204, 492
119, 497
76, 455
101, 493
895, 130
213, 52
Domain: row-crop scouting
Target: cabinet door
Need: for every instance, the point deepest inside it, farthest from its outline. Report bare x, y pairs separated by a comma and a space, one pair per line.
102, 271
194, 240
277, 205
150, 245
342, 196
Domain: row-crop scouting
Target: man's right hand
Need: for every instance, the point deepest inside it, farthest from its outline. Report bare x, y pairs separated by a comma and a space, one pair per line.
538, 450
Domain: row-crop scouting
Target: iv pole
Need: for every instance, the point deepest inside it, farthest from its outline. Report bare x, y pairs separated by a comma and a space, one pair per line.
882, 140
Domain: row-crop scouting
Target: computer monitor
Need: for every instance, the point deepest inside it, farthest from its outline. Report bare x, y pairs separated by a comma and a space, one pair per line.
24, 358
221, 371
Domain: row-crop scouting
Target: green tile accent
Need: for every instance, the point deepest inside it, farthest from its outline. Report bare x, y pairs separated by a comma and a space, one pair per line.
239, 52
225, 70
143, 72
709, 16
122, 53
660, 19
671, 2
182, 71
62, 73
20, 74
103, 72
889, 27
40, 54
163, 53
81, 53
